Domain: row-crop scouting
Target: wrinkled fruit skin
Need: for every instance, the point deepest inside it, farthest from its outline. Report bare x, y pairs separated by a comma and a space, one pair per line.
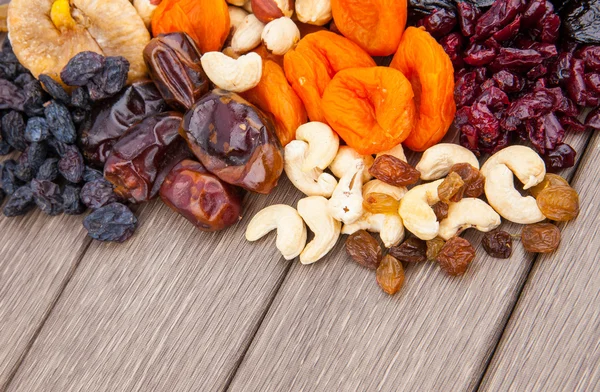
20, 202
372, 109
235, 141
364, 249
559, 203
451, 189
47, 196
549, 180
202, 198
145, 154
581, 20
440, 209
114, 222
173, 61
498, 244
71, 200
390, 275
110, 120
540, 238
413, 250
71, 165
474, 181
98, 193
434, 247
455, 256
394, 171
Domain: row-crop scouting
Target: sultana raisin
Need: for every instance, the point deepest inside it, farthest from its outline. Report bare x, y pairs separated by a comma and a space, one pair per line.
441, 210
549, 180
455, 256
390, 275
380, 203
559, 203
413, 250
473, 179
434, 247
393, 171
364, 249
540, 237
498, 244
451, 189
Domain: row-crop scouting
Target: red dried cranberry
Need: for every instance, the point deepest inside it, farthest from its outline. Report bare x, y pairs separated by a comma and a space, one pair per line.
576, 82
484, 120
440, 22
572, 123
593, 119
591, 56
478, 54
497, 16
467, 17
465, 89
561, 157
549, 27
509, 31
592, 81
481, 74
494, 98
517, 59
469, 138
533, 13
537, 72
452, 44
508, 82
560, 70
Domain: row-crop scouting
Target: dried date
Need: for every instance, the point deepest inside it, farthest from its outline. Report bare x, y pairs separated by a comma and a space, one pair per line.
393, 171
455, 256
413, 250
390, 275
498, 244
364, 249
558, 203
540, 238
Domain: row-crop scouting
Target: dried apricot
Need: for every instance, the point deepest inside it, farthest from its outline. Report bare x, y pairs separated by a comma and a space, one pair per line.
375, 25
390, 275
559, 203
429, 69
540, 237
312, 64
274, 96
393, 171
548, 181
206, 21
372, 109
380, 203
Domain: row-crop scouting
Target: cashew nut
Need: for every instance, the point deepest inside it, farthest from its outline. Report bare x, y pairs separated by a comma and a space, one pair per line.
311, 183
280, 35
313, 210
247, 34
378, 186
345, 159
389, 227
346, 203
397, 152
291, 232
316, 12
416, 212
468, 212
525, 163
236, 17
323, 144
229, 52
437, 160
238, 3
237, 75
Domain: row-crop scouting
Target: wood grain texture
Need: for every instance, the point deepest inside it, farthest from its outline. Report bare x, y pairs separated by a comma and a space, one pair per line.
332, 328
172, 309
552, 340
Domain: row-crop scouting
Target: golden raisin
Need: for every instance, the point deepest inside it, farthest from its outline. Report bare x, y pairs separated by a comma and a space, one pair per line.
455, 256
393, 171
451, 189
434, 247
380, 203
473, 179
548, 181
390, 275
559, 203
413, 250
441, 210
540, 237
364, 249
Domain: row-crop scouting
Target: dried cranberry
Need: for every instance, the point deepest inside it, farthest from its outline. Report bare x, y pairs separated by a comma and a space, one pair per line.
534, 12
549, 28
571, 123
561, 157
560, 70
547, 50
484, 120
497, 16
508, 82
477, 54
440, 22
537, 72
591, 57
509, 31
465, 89
469, 138
576, 83
592, 81
494, 98
516, 59
452, 44
593, 119
468, 14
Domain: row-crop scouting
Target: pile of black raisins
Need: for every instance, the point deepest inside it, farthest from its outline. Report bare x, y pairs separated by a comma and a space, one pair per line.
40, 119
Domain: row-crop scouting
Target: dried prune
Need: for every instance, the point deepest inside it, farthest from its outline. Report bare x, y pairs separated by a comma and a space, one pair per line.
364, 249
393, 171
91, 174
390, 275
11, 97
173, 62
441, 210
113, 222
10, 182
548, 181
71, 202
498, 244
36, 130
455, 256
71, 165
20, 202
149, 148
110, 80
558, 203
49, 170
561, 157
540, 237
82, 68
47, 196
111, 119
380, 203
201, 197
434, 247
413, 250
234, 140
13, 130
98, 193
474, 181
60, 123
53, 88
451, 189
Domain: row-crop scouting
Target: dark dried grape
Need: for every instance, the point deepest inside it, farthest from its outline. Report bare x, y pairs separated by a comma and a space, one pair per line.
390, 275
440, 210
110, 80
5, 148
20, 202
455, 256
2, 195
49, 170
498, 244
581, 20
434, 247
474, 181
13, 130
57, 147
91, 174
11, 97
71, 200
468, 14
23, 79
54, 88
36, 130
34, 98
98, 193
540, 237
561, 157
82, 68
60, 122
30, 161
81, 99
413, 250
78, 116
10, 182
71, 165
47, 196
364, 249
394, 171
114, 222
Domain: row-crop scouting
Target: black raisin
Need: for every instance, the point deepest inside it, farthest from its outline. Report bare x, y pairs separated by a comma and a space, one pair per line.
49, 170
11, 96
71, 165
2, 195
82, 68
71, 200
54, 89
10, 182
58, 147
114, 222
34, 99
111, 80
13, 130
47, 196
36, 130
78, 116
60, 122
23, 79
20, 202
81, 99
32, 159
91, 174
5, 148
98, 193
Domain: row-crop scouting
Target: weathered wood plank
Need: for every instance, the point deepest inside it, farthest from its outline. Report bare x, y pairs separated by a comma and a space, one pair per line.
552, 340
331, 327
171, 309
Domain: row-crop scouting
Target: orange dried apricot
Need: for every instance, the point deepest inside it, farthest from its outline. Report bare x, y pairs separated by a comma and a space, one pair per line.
262, 51
425, 63
274, 96
312, 64
372, 109
375, 25
206, 21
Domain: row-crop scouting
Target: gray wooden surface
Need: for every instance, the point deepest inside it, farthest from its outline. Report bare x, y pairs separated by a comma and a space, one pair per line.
552, 341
